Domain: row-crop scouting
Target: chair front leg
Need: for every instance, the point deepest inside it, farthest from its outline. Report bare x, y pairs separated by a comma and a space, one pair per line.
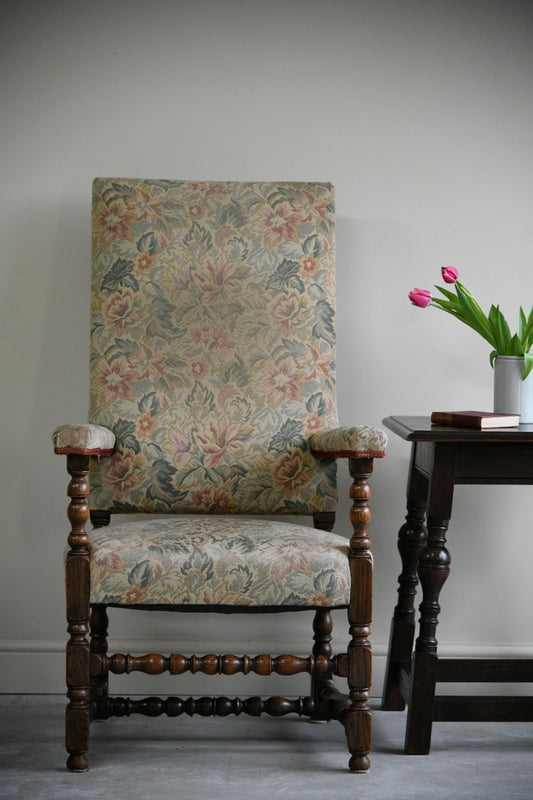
358, 718
78, 713
322, 686
99, 624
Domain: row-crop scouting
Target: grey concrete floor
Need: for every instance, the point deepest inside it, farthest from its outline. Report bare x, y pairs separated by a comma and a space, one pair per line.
255, 758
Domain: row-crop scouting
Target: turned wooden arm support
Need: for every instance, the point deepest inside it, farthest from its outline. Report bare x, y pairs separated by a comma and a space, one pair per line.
360, 445
87, 440
359, 442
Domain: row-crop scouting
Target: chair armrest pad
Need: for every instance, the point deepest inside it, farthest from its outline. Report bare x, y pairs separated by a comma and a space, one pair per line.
89, 440
359, 442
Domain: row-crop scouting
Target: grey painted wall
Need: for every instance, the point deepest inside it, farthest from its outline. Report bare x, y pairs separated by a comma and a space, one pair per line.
420, 112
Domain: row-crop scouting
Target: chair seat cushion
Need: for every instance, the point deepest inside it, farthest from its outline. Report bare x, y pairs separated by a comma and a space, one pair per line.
218, 561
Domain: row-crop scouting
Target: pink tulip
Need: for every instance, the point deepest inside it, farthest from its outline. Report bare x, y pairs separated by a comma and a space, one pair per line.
420, 297
449, 274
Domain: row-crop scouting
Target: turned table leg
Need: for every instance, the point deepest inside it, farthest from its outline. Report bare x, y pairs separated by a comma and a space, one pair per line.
433, 570
411, 539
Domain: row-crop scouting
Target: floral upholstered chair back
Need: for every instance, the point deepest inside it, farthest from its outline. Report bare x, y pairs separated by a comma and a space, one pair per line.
212, 345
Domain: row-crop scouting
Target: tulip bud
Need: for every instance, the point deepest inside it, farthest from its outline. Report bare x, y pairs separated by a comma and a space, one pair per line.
449, 274
420, 297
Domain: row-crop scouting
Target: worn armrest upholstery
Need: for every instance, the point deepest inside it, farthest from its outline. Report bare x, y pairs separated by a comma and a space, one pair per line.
361, 441
90, 440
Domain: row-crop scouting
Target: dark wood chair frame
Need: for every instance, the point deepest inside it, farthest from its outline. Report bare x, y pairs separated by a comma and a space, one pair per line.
89, 664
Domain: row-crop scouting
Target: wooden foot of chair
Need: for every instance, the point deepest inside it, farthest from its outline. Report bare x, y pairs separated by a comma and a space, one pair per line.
77, 762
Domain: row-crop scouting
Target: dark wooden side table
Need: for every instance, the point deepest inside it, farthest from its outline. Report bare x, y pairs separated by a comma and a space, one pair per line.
441, 457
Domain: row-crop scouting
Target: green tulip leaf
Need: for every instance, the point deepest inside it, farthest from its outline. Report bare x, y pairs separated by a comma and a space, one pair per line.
474, 315
528, 364
494, 328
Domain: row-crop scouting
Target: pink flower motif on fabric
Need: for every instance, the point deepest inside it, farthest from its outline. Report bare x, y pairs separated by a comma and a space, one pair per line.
282, 382
146, 425
278, 225
145, 363
201, 336
309, 265
292, 559
217, 501
291, 471
122, 473
314, 365
212, 339
120, 310
112, 222
310, 207
215, 189
223, 439
196, 211
220, 278
144, 205
288, 311
145, 263
313, 424
197, 369
137, 594
113, 380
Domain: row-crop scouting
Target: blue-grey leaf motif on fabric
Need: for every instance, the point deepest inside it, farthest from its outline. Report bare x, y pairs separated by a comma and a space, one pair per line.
199, 237
163, 474
120, 275
162, 311
232, 214
125, 433
123, 347
198, 562
325, 328
286, 276
283, 194
289, 435
235, 373
148, 243
240, 579
142, 574
317, 404
201, 395
150, 404
326, 581
312, 245
118, 191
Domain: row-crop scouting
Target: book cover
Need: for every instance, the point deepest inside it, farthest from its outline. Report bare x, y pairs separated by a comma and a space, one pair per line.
475, 419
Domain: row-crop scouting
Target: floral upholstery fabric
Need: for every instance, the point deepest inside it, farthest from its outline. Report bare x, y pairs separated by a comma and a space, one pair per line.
359, 441
213, 345
90, 439
218, 560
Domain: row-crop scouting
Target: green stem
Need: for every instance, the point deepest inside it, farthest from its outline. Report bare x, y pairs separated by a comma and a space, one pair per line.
459, 314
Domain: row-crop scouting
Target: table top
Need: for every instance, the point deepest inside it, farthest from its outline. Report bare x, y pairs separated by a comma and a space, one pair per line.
421, 429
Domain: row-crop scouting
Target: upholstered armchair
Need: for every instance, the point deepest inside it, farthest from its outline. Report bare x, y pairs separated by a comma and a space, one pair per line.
212, 412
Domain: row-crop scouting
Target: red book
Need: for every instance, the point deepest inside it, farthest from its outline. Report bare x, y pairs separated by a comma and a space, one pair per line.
475, 419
